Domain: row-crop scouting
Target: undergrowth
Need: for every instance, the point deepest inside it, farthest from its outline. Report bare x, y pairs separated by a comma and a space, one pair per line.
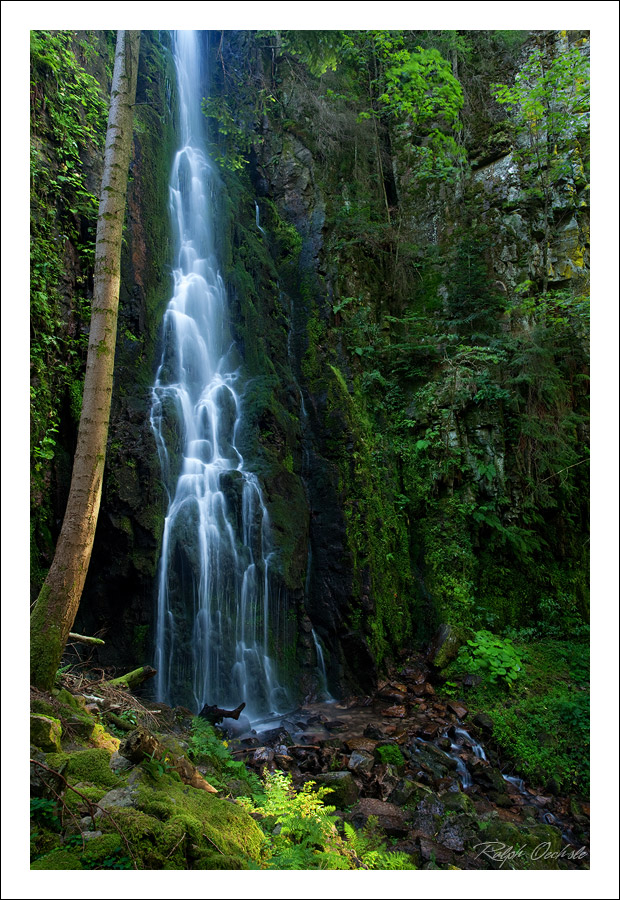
302, 832
543, 722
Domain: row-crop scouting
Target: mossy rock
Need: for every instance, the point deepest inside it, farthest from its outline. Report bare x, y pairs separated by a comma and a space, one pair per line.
174, 826
104, 740
529, 847
93, 793
344, 790
446, 644
45, 732
90, 766
457, 801
58, 859
43, 708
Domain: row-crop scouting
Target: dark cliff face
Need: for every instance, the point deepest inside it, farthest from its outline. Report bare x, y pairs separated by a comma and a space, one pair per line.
404, 409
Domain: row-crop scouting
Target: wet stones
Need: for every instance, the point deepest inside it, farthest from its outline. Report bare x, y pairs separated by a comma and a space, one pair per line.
484, 722
458, 709
360, 763
363, 745
395, 712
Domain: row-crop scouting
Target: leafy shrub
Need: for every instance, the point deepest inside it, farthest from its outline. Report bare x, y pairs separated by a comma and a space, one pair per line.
492, 656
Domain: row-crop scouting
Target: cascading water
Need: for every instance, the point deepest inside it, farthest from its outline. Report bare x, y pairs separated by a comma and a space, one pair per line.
213, 610
320, 665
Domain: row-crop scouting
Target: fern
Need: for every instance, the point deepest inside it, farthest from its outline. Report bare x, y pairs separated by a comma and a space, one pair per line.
368, 846
301, 831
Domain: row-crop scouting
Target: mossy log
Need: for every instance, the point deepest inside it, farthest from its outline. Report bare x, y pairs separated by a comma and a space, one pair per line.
132, 679
122, 724
84, 639
141, 744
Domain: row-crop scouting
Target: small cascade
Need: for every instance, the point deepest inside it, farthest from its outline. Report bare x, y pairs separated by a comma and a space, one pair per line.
258, 225
477, 749
320, 664
214, 618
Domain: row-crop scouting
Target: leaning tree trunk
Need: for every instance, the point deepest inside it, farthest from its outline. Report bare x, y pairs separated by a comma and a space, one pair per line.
59, 598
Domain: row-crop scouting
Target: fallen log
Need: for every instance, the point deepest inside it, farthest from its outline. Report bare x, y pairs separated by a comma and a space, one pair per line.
214, 714
123, 724
132, 679
141, 745
84, 639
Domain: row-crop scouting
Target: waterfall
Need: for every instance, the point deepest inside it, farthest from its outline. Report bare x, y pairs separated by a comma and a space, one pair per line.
213, 604
258, 225
320, 665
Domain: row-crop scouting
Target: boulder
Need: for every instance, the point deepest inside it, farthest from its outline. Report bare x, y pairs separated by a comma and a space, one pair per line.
484, 722
445, 645
45, 732
391, 818
360, 762
345, 792
489, 779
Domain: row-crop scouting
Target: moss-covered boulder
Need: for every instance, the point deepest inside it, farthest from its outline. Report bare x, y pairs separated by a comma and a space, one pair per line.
344, 790
171, 825
446, 644
89, 766
506, 845
45, 732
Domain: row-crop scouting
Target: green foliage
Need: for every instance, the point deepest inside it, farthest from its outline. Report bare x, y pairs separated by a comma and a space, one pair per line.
495, 658
68, 121
543, 723
302, 833
45, 812
549, 116
369, 845
549, 102
156, 768
300, 829
390, 754
414, 89
319, 50
206, 748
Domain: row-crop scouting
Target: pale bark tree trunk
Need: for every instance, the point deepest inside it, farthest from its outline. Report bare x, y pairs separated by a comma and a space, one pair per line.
59, 598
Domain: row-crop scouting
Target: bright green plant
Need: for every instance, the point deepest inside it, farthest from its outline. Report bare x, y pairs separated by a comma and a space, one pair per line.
157, 767
390, 754
549, 114
302, 832
368, 844
496, 658
300, 829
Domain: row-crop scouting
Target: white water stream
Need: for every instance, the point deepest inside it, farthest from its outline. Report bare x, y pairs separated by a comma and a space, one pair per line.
213, 606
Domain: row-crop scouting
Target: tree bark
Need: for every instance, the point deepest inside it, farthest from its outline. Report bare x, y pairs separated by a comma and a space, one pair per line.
59, 598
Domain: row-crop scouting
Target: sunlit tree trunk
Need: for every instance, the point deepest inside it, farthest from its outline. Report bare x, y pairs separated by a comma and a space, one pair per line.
59, 598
